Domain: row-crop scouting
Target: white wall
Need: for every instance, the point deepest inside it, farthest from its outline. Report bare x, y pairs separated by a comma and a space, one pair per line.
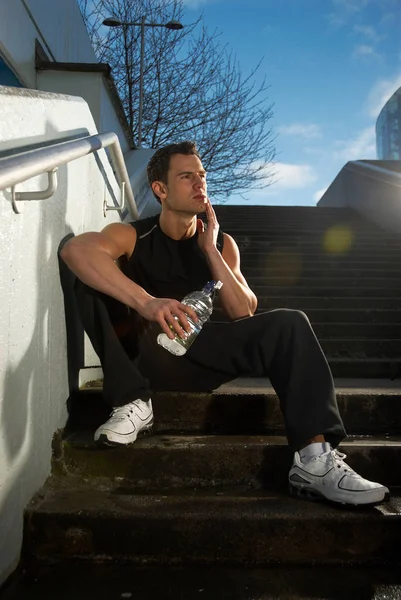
136, 161
61, 24
58, 26
33, 365
91, 87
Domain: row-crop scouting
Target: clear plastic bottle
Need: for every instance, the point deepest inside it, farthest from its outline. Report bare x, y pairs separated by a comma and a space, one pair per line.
201, 303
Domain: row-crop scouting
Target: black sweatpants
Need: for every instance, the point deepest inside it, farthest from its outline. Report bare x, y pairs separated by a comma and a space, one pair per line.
279, 344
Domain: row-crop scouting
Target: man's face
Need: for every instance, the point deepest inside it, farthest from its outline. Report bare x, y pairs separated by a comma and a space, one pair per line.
186, 189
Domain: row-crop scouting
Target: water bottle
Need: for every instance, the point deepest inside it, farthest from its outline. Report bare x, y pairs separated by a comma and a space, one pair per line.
201, 303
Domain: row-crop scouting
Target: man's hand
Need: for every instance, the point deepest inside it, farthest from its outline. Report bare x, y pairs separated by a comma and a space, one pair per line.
164, 311
207, 239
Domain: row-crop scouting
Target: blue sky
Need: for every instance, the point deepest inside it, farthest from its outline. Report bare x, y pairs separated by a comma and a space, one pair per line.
330, 64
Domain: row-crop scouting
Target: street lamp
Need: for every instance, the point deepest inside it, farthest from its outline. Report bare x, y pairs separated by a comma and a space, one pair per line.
113, 22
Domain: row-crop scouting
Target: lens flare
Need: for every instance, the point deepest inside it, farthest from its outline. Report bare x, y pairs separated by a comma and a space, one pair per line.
286, 264
338, 239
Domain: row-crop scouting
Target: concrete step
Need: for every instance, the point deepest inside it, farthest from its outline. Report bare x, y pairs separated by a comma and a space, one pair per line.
329, 234
164, 462
247, 208
266, 214
361, 348
371, 309
291, 217
365, 367
248, 406
302, 260
299, 220
295, 222
292, 226
109, 580
351, 330
393, 283
358, 331
335, 291
265, 240
380, 251
325, 315
88, 521
242, 233
288, 270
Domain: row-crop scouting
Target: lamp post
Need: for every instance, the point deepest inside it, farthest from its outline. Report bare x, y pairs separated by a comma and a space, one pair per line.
112, 22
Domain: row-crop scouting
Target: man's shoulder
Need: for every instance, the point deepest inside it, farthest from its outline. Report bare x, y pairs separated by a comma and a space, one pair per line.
145, 226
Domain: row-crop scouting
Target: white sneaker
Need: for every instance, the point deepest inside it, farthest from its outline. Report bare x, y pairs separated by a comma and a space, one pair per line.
125, 423
328, 476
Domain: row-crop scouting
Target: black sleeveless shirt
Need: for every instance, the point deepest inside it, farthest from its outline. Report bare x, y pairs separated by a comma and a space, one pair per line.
164, 267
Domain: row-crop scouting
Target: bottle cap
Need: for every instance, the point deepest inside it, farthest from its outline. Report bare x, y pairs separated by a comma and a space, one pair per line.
211, 286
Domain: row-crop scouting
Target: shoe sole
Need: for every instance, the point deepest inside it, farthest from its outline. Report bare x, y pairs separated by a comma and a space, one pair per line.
313, 495
103, 440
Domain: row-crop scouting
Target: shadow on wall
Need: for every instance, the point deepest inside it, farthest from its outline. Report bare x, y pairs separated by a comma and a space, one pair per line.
30, 411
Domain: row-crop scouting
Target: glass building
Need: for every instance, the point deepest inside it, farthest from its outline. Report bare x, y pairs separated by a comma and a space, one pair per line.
388, 129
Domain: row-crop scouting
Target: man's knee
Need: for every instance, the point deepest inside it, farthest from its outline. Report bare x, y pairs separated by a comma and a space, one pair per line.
288, 317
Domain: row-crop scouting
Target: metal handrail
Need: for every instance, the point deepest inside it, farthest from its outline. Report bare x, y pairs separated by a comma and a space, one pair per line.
25, 165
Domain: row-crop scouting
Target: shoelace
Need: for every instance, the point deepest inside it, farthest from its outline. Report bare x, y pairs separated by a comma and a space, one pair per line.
120, 412
338, 458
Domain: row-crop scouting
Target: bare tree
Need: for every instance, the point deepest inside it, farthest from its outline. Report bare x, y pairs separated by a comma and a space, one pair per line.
194, 89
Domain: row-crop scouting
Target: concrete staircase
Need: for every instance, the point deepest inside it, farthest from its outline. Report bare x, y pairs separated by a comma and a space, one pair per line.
343, 271
210, 486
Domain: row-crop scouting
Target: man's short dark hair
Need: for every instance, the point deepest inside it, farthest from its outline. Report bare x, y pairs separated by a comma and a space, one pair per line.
159, 164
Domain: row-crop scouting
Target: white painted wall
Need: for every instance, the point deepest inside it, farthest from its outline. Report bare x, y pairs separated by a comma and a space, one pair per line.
108, 118
137, 162
61, 25
91, 87
33, 363
57, 24
33, 366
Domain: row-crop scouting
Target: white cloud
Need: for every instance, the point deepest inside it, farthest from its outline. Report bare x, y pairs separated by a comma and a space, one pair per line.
389, 18
293, 176
369, 32
284, 176
344, 9
363, 50
318, 194
351, 6
380, 93
372, 38
360, 147
307, 131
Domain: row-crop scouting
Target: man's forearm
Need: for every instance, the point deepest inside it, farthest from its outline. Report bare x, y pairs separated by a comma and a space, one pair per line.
236, 299
99, 271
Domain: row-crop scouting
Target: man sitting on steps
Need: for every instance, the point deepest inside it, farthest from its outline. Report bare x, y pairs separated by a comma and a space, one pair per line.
164, 258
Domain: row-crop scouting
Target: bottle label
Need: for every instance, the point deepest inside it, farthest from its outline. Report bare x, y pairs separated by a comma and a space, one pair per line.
171, 345
189, 337
178, 345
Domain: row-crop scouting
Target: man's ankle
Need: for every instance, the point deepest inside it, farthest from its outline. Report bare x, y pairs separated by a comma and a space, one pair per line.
320, 439
314, 448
